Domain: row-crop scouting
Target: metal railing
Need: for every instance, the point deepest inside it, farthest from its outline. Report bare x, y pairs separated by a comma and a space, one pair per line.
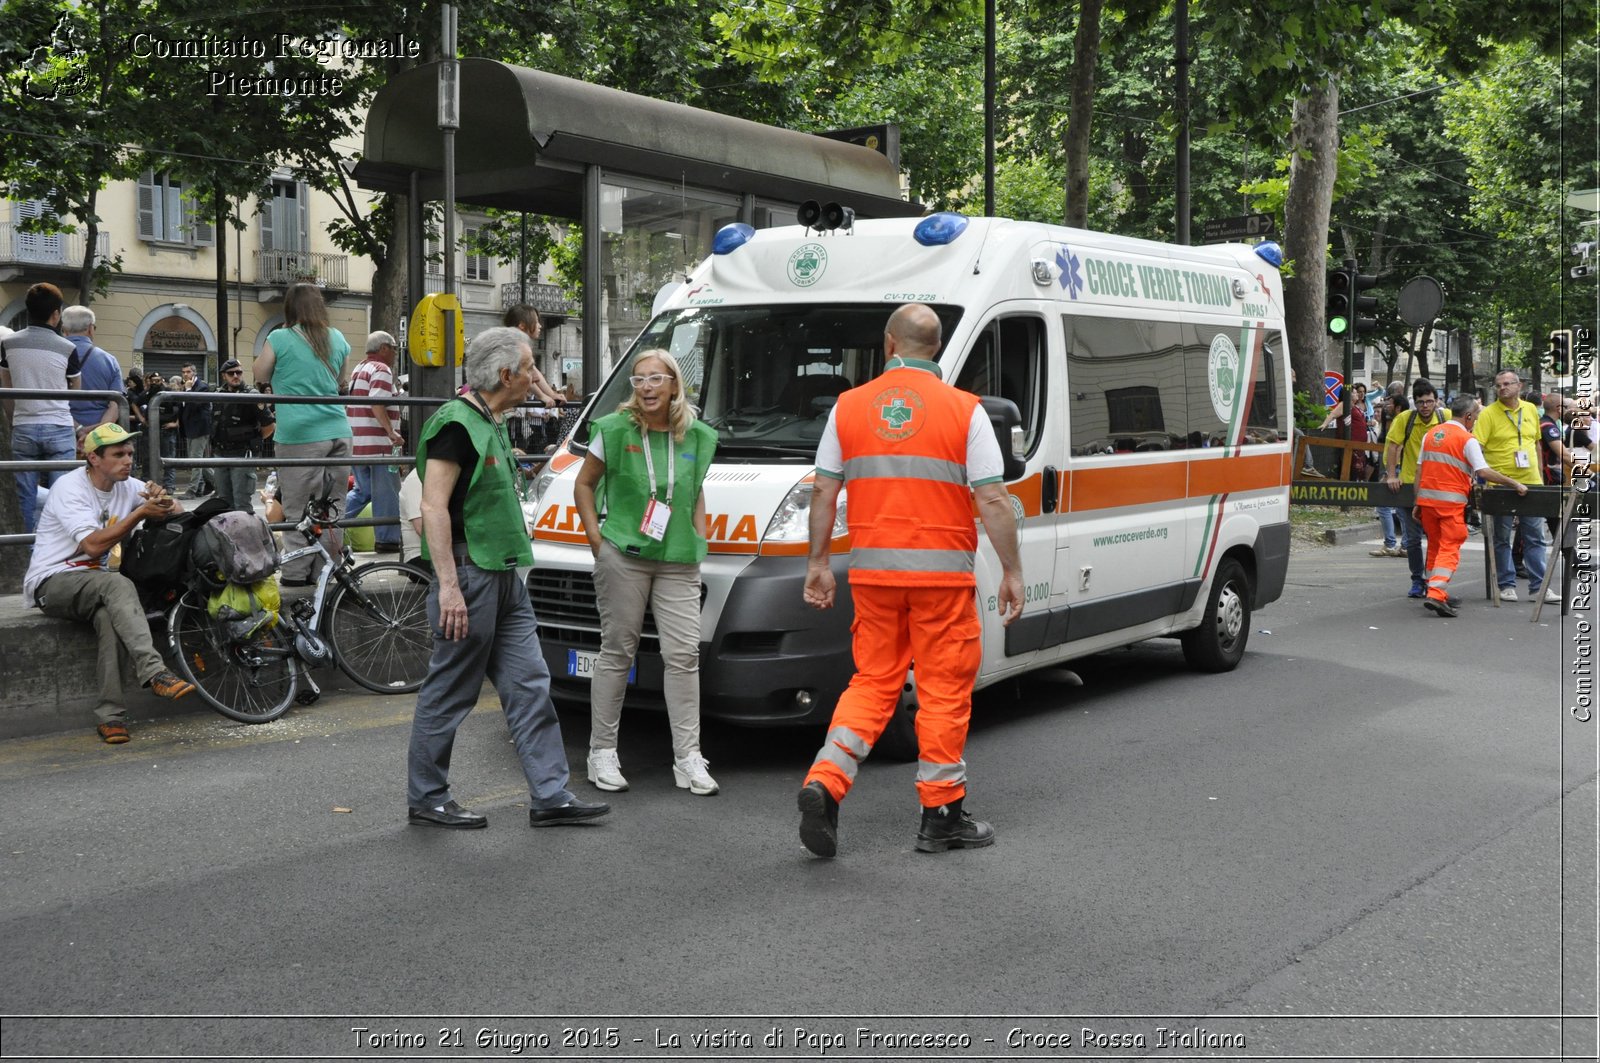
157, 464
63, 249
313, 267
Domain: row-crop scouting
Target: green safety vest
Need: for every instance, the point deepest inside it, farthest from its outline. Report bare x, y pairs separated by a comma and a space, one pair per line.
497, 530
627, 489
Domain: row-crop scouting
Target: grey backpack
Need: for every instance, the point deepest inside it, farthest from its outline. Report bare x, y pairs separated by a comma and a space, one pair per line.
233, 547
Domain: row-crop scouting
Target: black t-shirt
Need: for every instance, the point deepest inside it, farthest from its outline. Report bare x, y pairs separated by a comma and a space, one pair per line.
453, 444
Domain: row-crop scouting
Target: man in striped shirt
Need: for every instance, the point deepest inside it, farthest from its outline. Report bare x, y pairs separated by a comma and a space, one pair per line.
375, 429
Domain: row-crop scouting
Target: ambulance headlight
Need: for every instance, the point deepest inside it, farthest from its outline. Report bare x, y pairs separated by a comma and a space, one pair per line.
541, 484
792, 522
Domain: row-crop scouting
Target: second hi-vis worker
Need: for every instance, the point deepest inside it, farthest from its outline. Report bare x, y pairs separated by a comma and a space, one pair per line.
908, 446
1450, 455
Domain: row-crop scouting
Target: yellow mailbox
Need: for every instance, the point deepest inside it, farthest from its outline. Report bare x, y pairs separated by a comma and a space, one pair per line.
427, 335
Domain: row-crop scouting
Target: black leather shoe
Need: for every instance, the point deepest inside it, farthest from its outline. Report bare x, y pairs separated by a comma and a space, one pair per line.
819, 819
449, 815
573, 811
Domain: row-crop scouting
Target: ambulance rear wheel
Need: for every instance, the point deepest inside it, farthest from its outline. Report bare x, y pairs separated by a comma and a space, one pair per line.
899, 740
1218, 643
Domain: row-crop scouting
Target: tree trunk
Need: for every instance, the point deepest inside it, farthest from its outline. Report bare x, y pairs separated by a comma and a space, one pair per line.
389, 282
1468, 375
91, 238
1314, 161
1085, 53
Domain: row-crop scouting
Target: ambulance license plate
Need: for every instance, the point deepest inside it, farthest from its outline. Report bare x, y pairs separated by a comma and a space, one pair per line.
582, 663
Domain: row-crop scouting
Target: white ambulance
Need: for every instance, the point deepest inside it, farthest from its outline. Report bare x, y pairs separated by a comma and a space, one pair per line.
1152, 458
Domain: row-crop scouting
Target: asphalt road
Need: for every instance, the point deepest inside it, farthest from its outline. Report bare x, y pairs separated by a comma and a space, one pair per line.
1376, 838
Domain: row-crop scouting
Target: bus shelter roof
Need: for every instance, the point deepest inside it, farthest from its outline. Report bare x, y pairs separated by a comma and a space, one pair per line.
526, 137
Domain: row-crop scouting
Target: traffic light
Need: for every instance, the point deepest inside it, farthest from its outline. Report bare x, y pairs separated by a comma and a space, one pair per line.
1560, 352
1339, 308
1364, 304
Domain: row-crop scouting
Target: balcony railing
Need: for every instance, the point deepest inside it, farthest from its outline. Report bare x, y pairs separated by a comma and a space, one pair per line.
545, 298
58, 250
292, 267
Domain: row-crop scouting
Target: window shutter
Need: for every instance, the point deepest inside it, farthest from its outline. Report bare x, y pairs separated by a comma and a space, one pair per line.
201, 231
264, 212
302, 202
147, 206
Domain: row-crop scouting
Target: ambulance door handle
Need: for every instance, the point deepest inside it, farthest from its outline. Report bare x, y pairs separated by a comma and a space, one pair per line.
1049, 489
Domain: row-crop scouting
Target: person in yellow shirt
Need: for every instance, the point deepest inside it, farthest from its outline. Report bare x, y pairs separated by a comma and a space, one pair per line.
1400, 450
1508, 431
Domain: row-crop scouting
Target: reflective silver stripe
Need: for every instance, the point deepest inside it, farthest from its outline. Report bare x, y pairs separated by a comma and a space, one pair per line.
850, 741
832, 754
1447, 459
1441, 496
907, 467
928, 771
906, 560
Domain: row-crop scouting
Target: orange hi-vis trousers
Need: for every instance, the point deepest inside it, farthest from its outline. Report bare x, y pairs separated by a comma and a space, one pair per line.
1446, 528
937, 627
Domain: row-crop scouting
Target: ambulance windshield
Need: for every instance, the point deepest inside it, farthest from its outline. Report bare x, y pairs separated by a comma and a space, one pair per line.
765, 377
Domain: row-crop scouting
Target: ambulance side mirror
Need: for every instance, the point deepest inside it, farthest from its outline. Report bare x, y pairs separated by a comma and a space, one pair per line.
1007, 422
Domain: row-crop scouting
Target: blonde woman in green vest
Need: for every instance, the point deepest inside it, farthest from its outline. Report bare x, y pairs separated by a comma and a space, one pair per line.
647, 462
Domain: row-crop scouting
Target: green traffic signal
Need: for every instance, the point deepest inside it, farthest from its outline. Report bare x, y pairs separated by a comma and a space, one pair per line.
1337, 325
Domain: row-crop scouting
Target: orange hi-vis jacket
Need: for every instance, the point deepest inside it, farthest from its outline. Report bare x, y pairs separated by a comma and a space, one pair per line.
1444, 478
903, 436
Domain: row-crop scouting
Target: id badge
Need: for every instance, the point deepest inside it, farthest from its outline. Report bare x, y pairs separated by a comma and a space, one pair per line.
1522, 459
656, 515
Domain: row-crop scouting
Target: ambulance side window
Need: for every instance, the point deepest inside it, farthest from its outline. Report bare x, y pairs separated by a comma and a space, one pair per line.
1007, 359
1234, 393
1126, 387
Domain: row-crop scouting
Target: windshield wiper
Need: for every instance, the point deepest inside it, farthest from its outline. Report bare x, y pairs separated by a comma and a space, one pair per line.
755, 447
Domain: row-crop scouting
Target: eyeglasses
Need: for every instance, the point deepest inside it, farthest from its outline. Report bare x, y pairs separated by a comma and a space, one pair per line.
655, 380
233, 372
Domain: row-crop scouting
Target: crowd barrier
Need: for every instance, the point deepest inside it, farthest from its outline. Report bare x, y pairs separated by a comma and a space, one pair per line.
156, 465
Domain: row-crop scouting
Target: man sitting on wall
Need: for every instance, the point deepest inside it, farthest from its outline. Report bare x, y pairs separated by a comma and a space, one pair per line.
90, 513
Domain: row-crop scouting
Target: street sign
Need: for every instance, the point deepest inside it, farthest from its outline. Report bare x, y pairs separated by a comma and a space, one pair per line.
1421, 299
1222, 230
1332, 387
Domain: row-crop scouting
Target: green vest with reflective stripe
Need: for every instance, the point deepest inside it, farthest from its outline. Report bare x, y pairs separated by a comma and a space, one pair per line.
497, 530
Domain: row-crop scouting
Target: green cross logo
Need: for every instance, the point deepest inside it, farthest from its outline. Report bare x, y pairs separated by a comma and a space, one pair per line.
896, 414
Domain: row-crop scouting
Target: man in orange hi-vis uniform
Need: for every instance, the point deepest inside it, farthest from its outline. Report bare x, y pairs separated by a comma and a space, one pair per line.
1449, 456
914, 453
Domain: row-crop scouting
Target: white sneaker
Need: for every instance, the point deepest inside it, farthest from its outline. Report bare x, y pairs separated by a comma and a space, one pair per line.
690, 774
1508, 594
605, 770
1552, 595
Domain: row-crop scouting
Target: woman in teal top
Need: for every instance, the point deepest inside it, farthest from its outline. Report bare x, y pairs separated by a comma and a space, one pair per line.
307, 357
648, 460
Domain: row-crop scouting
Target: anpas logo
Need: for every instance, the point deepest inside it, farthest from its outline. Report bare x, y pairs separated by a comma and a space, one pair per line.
899, 410
1222, 370
807, 264
1071, 271
55, 70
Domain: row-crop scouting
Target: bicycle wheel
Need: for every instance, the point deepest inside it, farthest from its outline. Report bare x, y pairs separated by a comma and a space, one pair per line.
252, 681
378, 626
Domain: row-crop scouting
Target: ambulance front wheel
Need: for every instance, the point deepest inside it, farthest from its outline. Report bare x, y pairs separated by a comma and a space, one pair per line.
1218, 643
899, 739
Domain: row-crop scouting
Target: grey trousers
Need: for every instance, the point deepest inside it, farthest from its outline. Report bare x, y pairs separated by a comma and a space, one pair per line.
199, 475
623, 587
502, 643
111, 603
299, 485
236, 485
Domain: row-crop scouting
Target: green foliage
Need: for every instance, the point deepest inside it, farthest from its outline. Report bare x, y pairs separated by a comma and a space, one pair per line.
1308, 413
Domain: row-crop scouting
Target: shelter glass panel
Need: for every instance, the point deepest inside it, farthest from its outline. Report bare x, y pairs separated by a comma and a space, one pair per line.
651, 233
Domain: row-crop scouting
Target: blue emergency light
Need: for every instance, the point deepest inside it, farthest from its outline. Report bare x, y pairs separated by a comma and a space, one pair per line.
940, 228
1271, 253
731, 237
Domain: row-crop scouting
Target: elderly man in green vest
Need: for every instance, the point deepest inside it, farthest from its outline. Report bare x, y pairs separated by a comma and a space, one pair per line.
475, 536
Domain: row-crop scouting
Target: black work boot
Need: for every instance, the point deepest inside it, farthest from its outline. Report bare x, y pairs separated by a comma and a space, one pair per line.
819, 819
948, 827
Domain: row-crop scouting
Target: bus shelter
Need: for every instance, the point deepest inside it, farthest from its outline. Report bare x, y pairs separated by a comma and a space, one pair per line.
650, 181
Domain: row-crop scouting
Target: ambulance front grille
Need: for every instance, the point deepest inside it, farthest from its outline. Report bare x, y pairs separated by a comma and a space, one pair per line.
564, 604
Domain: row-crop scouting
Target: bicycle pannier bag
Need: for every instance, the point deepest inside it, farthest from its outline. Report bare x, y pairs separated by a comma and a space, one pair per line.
156, 557
234, 547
